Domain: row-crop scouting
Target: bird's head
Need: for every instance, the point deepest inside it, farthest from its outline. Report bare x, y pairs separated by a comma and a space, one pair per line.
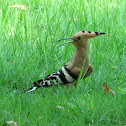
81, 38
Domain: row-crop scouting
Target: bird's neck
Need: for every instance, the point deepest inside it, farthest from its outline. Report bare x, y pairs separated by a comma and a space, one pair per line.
79, 56
82, 49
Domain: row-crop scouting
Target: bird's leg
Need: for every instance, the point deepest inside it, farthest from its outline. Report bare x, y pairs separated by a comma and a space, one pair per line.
68, 87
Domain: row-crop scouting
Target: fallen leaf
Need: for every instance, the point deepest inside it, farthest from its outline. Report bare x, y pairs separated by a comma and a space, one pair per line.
112, 92
14, 62
23, 7
108, 90
12, 123
119, 67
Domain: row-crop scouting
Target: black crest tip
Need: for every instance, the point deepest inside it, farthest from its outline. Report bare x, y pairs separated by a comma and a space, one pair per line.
96, 33
102, 33
88, 31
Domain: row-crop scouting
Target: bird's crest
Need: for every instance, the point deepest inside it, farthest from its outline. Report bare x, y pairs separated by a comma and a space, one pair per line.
80, 37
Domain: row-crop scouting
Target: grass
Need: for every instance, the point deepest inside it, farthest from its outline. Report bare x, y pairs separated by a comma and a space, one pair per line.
27, 51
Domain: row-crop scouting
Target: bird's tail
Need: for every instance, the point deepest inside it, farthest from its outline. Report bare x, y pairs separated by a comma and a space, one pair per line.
36, 86
41, 83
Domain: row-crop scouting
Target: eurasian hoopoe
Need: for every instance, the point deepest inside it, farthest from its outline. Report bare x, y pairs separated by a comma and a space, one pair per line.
69, 73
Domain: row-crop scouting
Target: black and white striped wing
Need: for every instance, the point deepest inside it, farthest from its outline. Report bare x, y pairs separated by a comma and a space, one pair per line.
62, 77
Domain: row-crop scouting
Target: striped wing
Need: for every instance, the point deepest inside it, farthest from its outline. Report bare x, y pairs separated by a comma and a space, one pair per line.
62, 77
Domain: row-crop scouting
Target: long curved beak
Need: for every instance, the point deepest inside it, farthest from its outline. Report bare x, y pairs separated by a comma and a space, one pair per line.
61, 40
63, 43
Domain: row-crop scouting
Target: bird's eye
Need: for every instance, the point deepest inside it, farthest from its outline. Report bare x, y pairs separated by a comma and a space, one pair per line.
78, 38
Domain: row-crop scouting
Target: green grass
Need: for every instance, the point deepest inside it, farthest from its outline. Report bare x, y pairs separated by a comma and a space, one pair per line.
27, 38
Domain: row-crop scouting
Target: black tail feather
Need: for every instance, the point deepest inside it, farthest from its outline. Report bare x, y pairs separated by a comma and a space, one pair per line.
36, 86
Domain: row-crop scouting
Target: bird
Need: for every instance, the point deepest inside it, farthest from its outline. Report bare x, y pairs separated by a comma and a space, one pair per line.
68, 75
